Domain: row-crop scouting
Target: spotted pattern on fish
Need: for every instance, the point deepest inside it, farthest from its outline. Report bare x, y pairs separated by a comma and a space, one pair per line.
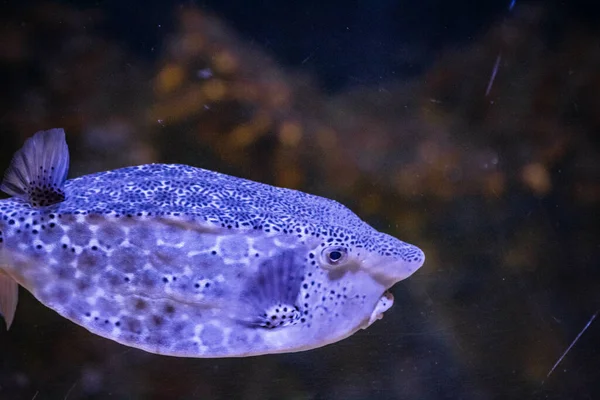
183, 261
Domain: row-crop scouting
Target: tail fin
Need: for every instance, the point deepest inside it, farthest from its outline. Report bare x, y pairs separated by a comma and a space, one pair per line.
38, 171
9, 291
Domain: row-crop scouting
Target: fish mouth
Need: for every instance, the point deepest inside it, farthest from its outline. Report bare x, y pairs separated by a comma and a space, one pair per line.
383, 304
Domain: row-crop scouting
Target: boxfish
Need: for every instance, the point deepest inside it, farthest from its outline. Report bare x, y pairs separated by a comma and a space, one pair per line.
187, 262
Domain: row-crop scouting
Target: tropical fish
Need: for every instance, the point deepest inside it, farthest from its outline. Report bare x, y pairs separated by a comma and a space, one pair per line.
187, 262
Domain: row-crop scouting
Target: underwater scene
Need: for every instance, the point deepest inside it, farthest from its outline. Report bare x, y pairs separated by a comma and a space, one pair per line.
299, 200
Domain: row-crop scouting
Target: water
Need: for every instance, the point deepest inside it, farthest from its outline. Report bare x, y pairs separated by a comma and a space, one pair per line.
467, 130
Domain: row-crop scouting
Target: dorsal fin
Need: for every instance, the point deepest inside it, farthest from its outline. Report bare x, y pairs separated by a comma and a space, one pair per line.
39, 169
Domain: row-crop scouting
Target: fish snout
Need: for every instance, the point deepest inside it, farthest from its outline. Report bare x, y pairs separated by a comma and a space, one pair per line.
394, 268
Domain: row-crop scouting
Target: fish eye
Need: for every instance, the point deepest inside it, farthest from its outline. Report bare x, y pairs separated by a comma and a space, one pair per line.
334, 256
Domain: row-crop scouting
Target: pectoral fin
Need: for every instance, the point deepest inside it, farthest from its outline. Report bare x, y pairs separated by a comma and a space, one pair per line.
9, 295
273, 291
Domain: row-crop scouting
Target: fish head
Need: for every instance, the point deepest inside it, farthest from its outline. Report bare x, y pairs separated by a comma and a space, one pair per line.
382, 257
370, 267
344, 287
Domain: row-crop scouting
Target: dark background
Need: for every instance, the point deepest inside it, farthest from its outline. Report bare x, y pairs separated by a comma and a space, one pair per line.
382, 105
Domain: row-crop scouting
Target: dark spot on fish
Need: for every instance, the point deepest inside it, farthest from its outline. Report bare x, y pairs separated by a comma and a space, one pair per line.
80, 234
140, 304
126, 259
91, 262
141, 236
65, 272
132, 325
110, 234
113, 278
95, 219
169, 309
149, 279
177, 328
60, 294
82, 284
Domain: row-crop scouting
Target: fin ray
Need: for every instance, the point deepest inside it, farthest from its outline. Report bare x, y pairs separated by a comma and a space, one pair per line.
38, 171
9, 296
272, 293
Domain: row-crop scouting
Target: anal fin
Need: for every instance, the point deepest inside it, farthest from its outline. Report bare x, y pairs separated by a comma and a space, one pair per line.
9, 295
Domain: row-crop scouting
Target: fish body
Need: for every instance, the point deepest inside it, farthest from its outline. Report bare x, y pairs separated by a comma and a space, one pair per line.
187, 262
